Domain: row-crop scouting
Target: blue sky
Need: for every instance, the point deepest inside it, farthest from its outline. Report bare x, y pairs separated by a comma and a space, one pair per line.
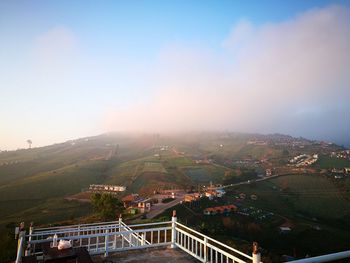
70, 69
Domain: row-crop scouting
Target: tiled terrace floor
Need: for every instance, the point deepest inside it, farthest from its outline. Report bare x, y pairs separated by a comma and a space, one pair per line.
164, 255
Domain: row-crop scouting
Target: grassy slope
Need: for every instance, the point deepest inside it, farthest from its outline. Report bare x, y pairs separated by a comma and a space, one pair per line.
314, 196
326, 162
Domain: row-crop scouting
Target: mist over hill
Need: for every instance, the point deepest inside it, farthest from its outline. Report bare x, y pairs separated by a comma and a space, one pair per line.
48, 184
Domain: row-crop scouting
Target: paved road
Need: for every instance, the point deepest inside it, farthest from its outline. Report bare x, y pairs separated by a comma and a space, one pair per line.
160, 207
257, 180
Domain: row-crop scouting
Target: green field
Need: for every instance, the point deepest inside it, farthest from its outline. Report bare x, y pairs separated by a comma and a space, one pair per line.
34, 182
258, 152
326, 162
310, 195
314, 195
205, 173
198, 174
154, 167
49, 212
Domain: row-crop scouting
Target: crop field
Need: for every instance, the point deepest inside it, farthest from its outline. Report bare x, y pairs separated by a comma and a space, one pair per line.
326, 162
34, 191
148, 182
258, 152
49, 211
34, 182
154, 167
311, 195
60, 182
124, 173
314, 195
205, 173
178, 161
198, 174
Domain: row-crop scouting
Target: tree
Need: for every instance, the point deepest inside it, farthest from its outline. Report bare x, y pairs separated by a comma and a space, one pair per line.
106, 205
29, 143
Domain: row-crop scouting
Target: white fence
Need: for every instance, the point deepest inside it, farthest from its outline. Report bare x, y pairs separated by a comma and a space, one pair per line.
207, 249
106, 237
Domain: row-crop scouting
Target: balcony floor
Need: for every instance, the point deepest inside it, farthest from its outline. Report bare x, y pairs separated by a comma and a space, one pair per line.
151, 255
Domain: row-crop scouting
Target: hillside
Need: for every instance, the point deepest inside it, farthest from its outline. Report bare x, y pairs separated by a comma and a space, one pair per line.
34, 183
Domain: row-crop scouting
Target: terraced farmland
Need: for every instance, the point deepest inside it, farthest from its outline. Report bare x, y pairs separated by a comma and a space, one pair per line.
154, 167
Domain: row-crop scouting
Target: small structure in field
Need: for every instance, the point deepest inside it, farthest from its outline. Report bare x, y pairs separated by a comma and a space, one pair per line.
285, 229
104, 188
214, 193
254, 197
268, 172
220, 209
192, 197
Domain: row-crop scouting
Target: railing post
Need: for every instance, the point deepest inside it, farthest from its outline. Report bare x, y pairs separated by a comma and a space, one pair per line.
79, 233
21, 241
173, 230
106, 243
205, 249
31, 229
256, 253
120, 222
142, 239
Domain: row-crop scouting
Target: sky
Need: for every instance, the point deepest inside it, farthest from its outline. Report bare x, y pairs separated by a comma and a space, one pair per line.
70, 69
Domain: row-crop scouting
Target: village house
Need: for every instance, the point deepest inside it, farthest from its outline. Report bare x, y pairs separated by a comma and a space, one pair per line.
242, 195
102, 188
220, 209
211, 194
144, 205
130, 200
192, 197
254, 197
284, 229
135, 204
268, 172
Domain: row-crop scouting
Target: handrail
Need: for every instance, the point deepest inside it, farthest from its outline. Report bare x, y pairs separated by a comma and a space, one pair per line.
137, 236
137, 231
73, 226
101, 234
150, 224
215, 241
72, 230
119, 228
87, 227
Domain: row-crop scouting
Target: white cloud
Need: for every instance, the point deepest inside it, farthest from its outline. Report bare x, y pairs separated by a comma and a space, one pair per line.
260, 81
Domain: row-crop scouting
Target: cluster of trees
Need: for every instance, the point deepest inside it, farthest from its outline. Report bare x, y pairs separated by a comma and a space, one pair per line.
106, 205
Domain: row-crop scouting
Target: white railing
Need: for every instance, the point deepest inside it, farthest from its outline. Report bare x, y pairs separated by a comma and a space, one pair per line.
134, 239
117, 236
207, 249
103, 238
98, 239
52, 228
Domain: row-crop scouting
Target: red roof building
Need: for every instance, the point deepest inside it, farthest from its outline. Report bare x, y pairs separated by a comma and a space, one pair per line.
219, 209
